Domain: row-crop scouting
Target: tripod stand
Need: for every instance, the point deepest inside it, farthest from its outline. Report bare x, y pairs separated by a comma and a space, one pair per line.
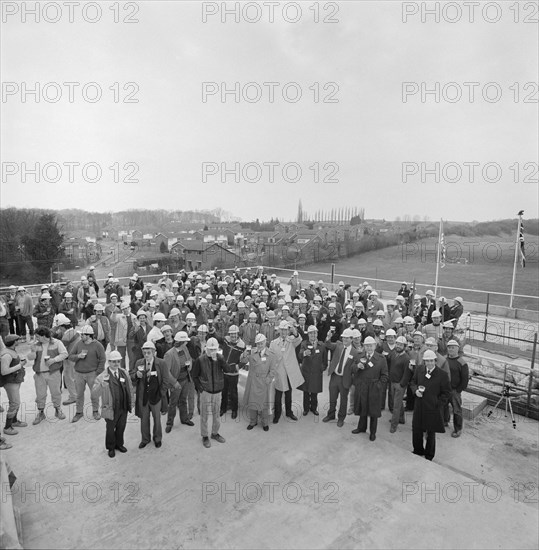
505, 395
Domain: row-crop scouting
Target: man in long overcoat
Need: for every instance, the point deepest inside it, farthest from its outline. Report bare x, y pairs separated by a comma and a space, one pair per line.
313, 357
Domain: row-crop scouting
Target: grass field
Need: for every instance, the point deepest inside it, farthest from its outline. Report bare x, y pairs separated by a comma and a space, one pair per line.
488, 266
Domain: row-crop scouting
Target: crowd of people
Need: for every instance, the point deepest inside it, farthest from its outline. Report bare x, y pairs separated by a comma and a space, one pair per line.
179, 346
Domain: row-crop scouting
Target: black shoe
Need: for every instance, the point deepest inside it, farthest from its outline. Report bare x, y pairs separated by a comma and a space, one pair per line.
188, 423
122, 449
112, 454
372, 437
142, 445
234, 415
218, 437
206, 442
265, 428
158, 444
168, 429
305, 412
358, 431
292, 416
315, 413
340, 423
418, 454
221, 413
276, 420
251, 426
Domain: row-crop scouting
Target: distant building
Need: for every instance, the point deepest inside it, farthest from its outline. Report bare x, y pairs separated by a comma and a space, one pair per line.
199, 255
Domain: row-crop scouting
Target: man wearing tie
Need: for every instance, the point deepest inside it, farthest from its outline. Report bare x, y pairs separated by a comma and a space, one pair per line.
152, 378
370, 380
432, 388
288, 374
114, 388
344, 360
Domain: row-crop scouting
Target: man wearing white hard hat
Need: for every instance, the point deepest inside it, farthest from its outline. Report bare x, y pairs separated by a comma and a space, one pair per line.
139, 334
68, 307
24, 307
43, 311
113, 387
233, 346
69, 336
295, 285
152, 378
288, 374
313, 359
48, 355
434, 329
179, 363
448, 334
399, 377
459, 382
262, 366
428, 304
344, 361
456, 310
101, 325
432, 389
89, 358
208, 377
370, 379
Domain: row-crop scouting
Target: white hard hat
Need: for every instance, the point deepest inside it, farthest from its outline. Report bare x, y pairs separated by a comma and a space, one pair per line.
159, 317
115, 356
87, 329
181, 336
62, 320
369, 340
148, 345
429, 354
347, 333
284, 325
212, 343
260, 338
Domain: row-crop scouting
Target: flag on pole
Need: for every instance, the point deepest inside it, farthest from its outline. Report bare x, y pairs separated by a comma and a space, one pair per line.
521, 244
442, 244
411, 298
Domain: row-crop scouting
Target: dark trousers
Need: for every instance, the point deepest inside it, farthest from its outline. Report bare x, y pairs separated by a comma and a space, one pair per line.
310, 401
336, 389
25, 321
417, 440
386, 392
278, 409
164, 402
178, 399
147, 411
230, 393
456, 404
114, 436
13, 326
362, 424
410, 399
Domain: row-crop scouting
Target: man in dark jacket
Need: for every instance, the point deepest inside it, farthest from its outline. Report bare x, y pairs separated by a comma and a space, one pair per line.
432, 388
114, 388
459, 382
344, 360
370, 380
399, 376
313, 359
208, 376
152, 378
233, 346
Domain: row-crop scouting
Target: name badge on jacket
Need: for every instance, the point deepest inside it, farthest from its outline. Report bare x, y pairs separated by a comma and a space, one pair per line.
370, 364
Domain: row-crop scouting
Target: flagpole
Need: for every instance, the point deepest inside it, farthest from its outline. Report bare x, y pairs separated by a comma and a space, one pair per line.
515, 262
438, 260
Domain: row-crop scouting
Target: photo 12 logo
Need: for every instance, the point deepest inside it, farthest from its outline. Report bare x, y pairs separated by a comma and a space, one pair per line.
469, 92
270, 491
269, 92
68, 172
469, 12
269, 172
70, 12
270, 12
469, 172
69, 92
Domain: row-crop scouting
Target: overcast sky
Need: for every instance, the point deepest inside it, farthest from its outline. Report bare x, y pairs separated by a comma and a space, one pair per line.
368, 132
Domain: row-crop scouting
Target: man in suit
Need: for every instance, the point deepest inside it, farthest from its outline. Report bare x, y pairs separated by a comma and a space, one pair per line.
344, 360
287, 374
113, 386
428, 305
152, 378
370, 380
432, 390
313, 357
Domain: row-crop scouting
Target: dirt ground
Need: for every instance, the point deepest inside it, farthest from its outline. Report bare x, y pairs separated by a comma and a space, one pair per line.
303, 484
